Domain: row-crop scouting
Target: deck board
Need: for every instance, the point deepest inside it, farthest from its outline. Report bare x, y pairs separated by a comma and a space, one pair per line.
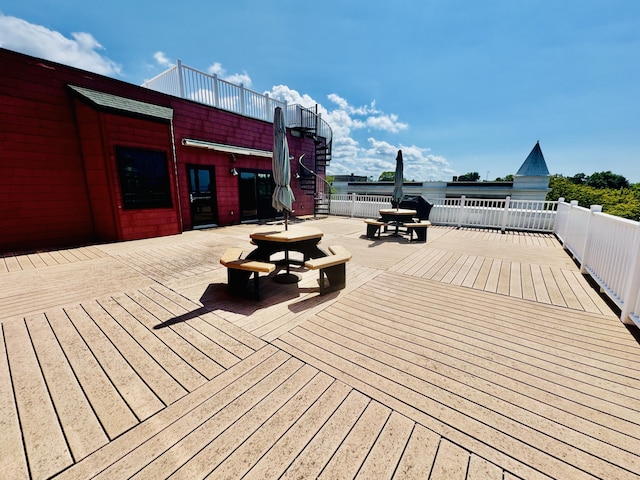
81, 427
44, 442
475, 355
12, 453
107, 403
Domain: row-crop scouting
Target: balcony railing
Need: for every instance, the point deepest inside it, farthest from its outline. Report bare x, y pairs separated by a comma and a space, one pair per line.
505, 214
606, 247
189, 83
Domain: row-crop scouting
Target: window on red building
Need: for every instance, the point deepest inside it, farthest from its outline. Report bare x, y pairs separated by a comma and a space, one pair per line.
144, 178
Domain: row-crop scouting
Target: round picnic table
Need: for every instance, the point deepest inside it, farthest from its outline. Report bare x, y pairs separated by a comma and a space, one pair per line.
397, 216
271, 239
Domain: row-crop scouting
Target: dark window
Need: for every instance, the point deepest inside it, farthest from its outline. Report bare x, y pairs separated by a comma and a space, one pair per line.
144, 178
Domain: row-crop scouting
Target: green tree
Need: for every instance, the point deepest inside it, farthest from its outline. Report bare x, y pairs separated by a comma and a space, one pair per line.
607, 180
469, 177
387, 177
507, 178
578, 178
621, 202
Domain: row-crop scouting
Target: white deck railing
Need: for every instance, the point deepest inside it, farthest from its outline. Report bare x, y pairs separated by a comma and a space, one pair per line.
186, 82
606, 247
503, 214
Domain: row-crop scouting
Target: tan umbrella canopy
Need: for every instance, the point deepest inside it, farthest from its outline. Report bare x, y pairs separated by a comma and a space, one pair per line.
283, 197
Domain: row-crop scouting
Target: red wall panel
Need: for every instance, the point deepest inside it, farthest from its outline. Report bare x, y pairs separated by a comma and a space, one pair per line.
58, 177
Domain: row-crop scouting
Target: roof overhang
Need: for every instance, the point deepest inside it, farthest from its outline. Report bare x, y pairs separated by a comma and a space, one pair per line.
115, 103
220, 147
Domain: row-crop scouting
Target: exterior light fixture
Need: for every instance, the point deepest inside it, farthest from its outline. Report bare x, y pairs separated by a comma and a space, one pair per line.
233, 172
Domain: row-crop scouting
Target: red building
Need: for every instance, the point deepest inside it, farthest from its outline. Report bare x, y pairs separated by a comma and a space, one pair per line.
86, 158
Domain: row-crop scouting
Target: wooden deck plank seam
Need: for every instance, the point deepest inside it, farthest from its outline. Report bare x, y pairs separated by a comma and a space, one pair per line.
299, 348
469, 362
232, 382
395, 345
186, 330
548, 446
540, 312
541, 348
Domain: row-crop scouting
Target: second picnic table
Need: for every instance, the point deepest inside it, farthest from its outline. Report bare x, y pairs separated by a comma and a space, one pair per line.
397, 216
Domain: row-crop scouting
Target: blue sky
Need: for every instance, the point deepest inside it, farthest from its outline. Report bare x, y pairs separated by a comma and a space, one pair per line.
459, 86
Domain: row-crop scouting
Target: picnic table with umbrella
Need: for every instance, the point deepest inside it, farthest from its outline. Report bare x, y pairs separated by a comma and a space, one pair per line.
397, 215
272, 239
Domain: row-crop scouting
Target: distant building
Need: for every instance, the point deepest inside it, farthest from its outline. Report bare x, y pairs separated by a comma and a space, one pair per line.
531, 182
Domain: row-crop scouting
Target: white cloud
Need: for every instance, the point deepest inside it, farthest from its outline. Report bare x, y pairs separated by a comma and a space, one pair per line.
162, 59
348, 121
81, 51
237, 78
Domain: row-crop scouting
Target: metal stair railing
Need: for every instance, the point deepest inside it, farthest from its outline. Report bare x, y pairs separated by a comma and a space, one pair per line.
319, 194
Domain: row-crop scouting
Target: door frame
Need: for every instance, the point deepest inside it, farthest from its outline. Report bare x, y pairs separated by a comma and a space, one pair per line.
212, 202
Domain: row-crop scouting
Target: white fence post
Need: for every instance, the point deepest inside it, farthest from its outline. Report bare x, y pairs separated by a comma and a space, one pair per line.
632, 284
180, 79
353, 204
461, 211
505, 214
215, 90
586, 250
242, 105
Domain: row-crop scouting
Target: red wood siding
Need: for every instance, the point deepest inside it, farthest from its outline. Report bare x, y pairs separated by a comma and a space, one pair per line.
58, 177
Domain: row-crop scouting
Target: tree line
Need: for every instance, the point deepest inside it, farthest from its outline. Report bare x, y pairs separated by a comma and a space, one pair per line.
614, 192
616, 195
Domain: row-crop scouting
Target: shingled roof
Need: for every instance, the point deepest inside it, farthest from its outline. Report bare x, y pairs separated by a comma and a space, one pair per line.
107, 101
534, 165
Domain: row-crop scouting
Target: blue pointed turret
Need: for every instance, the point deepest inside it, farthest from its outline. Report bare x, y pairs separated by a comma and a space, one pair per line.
534, 165
532, 180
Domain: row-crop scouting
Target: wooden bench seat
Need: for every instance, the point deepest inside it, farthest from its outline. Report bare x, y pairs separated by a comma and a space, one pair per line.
374, 227
420, 228
239, 271
333, 267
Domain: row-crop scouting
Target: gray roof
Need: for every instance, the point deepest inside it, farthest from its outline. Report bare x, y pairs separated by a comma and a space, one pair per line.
534, 165
114, 102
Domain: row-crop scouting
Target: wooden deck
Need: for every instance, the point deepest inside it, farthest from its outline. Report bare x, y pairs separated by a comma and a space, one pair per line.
474, 356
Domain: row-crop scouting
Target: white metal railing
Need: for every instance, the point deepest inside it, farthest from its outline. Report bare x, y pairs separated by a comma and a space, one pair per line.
608, 249
186, 82
505, 214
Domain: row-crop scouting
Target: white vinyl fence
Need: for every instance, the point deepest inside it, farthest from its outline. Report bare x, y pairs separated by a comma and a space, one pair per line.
608, 249
505, 214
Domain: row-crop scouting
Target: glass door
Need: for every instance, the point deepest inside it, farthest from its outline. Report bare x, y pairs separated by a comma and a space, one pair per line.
202, 196
256, 191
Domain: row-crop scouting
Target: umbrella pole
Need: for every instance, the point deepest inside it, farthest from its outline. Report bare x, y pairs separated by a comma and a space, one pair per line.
286, 219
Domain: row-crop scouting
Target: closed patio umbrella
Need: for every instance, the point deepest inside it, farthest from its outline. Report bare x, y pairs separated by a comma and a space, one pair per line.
398, 179
283, 197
